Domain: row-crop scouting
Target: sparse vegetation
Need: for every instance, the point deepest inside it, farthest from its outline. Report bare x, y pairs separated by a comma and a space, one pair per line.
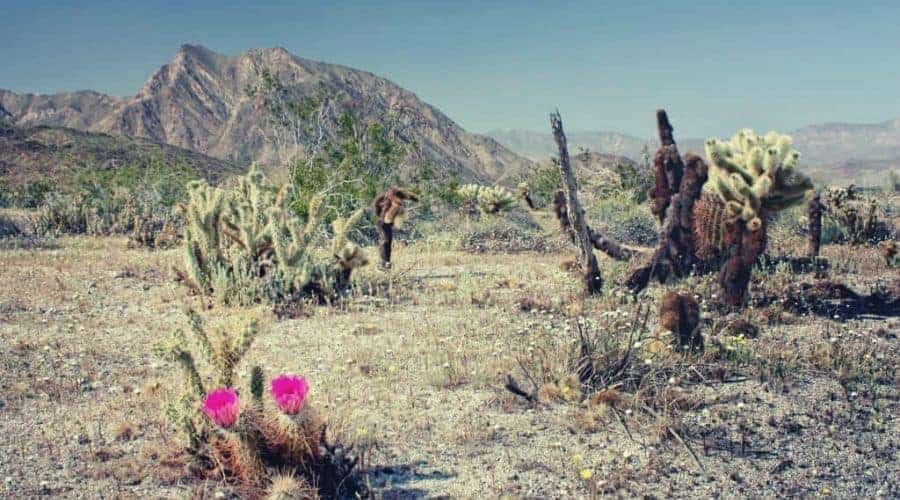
477, 354
246, 245
858, 217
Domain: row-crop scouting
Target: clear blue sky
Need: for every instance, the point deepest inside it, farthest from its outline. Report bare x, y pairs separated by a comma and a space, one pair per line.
506, 64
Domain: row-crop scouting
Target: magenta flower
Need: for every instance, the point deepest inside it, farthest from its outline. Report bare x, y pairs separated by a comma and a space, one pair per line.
222, 406
289, 392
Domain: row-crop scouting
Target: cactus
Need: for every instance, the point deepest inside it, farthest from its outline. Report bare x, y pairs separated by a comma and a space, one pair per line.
525, 193
675, 196
755, 176
752, 176
814, 233
390, 208
488, 200
261, 439
679, 314
856, 216
248, 245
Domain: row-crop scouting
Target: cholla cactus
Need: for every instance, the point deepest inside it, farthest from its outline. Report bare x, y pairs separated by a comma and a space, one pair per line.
248, 244
855, 215
755, 175
489, 200
752, 176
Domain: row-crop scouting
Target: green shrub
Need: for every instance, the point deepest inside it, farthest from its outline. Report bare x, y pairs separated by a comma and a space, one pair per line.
623, 220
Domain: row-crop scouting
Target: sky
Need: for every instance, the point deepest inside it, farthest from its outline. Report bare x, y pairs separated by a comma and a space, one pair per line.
715, 66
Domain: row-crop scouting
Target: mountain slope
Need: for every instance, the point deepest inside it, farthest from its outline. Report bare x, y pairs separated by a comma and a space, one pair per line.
29, 154
198, 102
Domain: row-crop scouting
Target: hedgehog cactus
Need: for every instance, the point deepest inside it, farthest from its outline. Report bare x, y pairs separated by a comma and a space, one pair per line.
250, 440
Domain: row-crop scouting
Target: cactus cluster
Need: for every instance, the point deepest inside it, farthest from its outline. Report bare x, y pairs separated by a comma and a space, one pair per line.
487, 199
256, 440
856, 216
248, 244
755, 175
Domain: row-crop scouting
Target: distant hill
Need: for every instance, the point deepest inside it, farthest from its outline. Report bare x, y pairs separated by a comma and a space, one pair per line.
832, 153
199, 102
28, 154
539, 146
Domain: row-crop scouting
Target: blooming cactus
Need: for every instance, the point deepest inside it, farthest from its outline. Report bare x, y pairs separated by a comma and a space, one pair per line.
222, 406
289, 392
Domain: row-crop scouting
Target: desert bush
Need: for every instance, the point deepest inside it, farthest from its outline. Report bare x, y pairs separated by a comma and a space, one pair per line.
788, 228
623, 220
29, 195
249, 440
543, 181
141, 215
516, 232
860, 219
17, 232
136, 200
9, 227
247, 245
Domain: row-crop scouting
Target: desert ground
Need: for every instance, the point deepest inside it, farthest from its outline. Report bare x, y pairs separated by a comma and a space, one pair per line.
411, 368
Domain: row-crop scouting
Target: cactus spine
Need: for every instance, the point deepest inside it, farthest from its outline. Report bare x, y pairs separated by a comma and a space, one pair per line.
487, 199
264, 442
248, 245
753, 177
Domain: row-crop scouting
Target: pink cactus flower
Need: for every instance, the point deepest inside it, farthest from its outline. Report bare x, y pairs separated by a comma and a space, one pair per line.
289, 392
222, 406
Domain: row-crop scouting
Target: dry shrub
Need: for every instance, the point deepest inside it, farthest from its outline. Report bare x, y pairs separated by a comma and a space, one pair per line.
511, 233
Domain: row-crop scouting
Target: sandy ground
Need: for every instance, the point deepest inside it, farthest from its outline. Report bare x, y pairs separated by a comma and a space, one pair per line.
416, 373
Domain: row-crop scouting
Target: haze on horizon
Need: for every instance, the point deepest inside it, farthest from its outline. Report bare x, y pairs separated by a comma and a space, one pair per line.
501, 65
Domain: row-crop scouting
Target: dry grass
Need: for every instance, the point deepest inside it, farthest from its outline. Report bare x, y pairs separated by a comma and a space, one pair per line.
412, 367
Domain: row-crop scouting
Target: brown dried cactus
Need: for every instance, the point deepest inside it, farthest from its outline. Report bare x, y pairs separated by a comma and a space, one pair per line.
814, 212
667, 167
390, 207
679, 313
678, 185
744, 248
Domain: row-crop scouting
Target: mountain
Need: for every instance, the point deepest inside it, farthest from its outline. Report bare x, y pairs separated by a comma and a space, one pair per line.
199, 101
42, 152
539, 145
832, 153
